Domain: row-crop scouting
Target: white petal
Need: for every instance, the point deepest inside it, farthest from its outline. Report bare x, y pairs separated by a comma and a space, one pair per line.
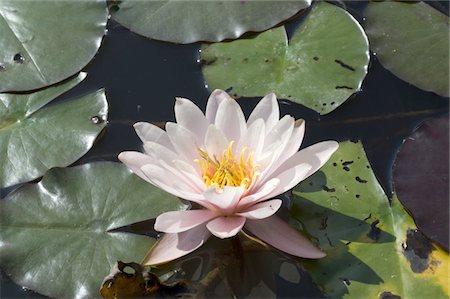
268, 110
253, 139
215, 142
134, 161
260, 194
230, 120
296, 138
173, 246
184, 142
290, 178
159, 152
191, 117
214, 100
226, 227
280, 235
150, 132
262, 210
226, 199
194, 182
180, 221
315, 155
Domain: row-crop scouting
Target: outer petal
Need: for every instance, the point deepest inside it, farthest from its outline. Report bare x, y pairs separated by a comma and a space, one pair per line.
268, 110
315, 155
173, 246
257, 195
134, 161
289, 179
191, 117
262, 210
184, 141
214, 100
280, 235
150, 132
226, 200
180, 221
230, 120
226, 227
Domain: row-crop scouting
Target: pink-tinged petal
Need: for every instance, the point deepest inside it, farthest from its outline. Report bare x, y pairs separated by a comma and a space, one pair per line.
315, 155
159, 152
196, 184
180, 221
191, 117
162, 179
226, 227
134, 161
173, 246
230, 120
215, 142
214, 100
150, 132
290, 178
184, 141
262, 210
253, 139
296, 138
268, 110
260, 194
226, 199
280, 235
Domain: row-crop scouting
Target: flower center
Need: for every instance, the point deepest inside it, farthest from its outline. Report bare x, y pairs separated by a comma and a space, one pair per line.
228, 171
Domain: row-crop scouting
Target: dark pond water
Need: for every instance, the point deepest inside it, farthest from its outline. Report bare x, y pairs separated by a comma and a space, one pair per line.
142, 77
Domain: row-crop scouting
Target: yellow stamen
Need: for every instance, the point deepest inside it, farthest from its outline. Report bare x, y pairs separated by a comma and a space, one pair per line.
228, 171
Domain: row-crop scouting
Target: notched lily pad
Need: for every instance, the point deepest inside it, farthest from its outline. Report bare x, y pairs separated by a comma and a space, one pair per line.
192, 21
323, 64
57, 236
40, 47
411, 40
34, 138
421, 177
372, 244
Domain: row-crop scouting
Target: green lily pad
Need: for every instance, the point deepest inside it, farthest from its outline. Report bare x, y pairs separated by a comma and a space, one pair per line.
411, 40
324, 63
56, 236
44, 42
34, 139
373, 247
191, 21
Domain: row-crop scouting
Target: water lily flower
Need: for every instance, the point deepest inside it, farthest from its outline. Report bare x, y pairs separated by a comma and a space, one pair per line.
231, 168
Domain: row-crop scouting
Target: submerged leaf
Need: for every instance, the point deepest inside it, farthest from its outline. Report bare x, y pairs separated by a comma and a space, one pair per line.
34, 139
373, 247
192, 21
411, 40
421, 177
324, 63
44, 42
57, 237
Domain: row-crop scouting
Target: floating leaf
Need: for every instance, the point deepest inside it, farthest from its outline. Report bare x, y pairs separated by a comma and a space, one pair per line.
56, 236
420, 177
324, 63
411, 40
44, 42
34, 139
373, 247
191, 21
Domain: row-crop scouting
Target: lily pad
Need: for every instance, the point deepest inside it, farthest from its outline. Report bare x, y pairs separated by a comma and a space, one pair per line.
373, 247
411, 40
324, 63
421, 177
192, 21
57, 237
44, 42
34, 139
